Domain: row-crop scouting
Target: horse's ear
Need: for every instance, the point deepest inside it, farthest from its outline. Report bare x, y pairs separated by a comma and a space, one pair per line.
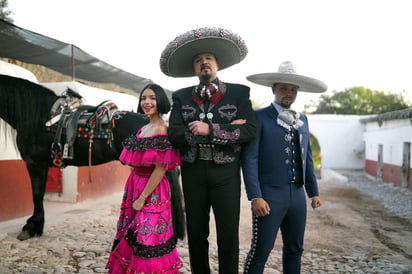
72, 93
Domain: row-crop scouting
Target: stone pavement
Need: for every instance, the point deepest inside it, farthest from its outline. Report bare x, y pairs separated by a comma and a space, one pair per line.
77, 239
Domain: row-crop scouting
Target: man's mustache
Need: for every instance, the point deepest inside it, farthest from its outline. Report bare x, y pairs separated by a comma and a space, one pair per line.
202, 67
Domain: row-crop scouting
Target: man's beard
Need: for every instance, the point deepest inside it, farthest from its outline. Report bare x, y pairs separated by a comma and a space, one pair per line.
285, 103
206, 77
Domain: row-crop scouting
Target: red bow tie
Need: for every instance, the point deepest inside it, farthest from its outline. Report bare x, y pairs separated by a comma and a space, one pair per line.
209, 92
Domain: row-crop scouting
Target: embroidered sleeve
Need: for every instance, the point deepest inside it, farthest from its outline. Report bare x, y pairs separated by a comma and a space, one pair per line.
221, 136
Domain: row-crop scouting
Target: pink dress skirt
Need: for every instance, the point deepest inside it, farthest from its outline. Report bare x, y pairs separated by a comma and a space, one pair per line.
144, 241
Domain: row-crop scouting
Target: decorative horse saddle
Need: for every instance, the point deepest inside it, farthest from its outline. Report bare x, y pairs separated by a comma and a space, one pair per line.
70, 119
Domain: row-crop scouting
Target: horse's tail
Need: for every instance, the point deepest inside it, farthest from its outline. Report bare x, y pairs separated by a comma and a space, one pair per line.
178, 216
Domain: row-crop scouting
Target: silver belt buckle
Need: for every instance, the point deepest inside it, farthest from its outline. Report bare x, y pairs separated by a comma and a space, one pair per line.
205, 153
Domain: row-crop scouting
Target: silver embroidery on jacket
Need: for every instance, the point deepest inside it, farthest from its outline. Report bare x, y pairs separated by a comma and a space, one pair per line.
228, 111
188, 112
223, 136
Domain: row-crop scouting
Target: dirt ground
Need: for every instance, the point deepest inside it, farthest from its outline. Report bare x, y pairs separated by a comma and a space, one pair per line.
349, 222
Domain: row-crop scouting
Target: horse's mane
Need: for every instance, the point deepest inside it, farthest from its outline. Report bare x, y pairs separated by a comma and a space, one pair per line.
25, 105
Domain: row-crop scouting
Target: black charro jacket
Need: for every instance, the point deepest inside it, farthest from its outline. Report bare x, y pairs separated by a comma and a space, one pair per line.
225, 140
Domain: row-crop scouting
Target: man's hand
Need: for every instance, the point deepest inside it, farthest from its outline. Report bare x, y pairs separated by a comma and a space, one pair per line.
316, 202
199, 128
260, 207
238, 122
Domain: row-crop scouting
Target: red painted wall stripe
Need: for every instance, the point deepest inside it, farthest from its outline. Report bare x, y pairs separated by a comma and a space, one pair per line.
390, 173
16, 199
106, 179
15, 190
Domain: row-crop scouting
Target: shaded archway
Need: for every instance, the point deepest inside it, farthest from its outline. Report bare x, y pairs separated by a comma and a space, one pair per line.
316, 155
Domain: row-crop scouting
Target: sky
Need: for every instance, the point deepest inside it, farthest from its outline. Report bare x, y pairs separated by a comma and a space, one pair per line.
344, 43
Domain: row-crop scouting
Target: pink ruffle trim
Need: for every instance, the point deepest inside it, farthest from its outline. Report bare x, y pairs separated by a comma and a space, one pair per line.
170, 158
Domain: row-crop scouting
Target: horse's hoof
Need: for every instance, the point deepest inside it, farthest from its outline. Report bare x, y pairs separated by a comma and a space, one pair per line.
24, 235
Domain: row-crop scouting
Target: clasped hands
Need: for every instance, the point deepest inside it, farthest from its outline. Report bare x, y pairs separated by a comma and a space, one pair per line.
202, 128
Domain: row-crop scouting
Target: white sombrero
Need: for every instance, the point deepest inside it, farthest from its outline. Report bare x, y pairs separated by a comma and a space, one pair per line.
287, 74
177, 58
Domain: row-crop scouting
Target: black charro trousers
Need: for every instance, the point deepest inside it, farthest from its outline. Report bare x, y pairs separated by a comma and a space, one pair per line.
208, 185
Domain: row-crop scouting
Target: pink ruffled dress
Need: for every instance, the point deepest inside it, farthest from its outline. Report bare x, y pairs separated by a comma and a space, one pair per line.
144, 241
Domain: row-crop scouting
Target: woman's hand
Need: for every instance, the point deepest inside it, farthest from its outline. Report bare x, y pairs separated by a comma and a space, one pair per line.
139, 203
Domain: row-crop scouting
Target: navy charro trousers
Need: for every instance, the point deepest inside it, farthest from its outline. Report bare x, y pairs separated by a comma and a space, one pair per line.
287, 212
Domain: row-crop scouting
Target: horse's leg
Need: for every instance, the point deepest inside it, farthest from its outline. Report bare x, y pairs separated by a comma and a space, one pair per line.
34, 225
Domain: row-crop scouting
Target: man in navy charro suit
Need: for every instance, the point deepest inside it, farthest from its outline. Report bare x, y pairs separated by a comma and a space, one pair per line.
277, 169
210, 123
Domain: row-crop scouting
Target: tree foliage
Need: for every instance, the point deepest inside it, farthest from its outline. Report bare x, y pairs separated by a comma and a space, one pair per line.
5, 12
358, 101
315, 147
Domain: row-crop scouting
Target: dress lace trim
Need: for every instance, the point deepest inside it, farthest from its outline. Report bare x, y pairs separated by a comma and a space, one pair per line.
149, 251
157, 142
149, 151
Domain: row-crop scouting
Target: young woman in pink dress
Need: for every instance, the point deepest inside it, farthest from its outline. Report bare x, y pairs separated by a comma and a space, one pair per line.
144, 241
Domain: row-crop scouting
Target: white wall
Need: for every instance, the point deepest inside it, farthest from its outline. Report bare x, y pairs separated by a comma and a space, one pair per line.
340, 139
8, 149
17, 71
69, 193
391, 134
94, 96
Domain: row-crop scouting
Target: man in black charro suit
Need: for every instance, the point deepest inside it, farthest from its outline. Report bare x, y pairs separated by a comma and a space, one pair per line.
209, 123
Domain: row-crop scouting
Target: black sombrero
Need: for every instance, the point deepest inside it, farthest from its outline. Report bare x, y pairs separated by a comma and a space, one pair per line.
177, 58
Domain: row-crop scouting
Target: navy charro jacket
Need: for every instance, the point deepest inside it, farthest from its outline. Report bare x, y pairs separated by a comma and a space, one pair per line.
225, 140
265, 159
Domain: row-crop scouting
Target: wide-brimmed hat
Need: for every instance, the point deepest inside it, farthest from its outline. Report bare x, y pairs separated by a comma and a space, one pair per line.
177, 58
287, 74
